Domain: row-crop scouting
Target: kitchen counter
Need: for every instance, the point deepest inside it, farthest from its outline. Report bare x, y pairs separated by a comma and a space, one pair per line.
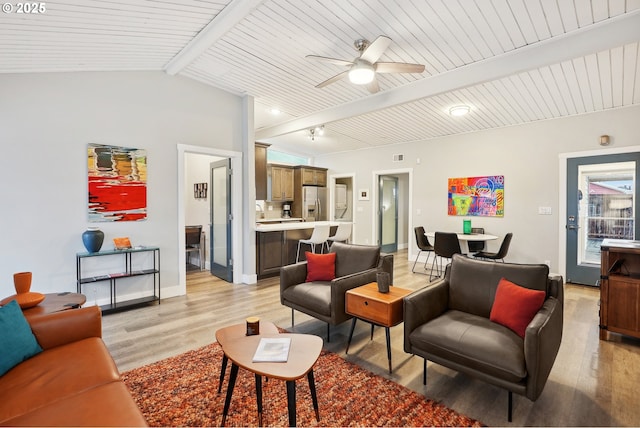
277, 244
277, 227
278, 220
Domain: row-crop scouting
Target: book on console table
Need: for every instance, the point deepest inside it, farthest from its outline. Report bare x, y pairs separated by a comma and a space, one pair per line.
272, 350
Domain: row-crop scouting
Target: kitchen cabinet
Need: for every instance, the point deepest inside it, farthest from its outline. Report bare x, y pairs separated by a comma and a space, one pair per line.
277, 248
620, 288
271, 256
312, 176
280, 183
261, 171
304, 175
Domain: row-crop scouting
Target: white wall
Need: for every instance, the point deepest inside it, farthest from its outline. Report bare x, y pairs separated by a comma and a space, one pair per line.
526, 155
46, 121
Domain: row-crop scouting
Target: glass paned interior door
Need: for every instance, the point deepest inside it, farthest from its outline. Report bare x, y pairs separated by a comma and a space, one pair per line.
221, 265
388, 200
607, 206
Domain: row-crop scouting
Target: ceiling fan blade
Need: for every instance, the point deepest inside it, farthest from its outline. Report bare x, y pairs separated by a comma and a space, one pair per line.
373, 87
376, 49
398, 67
331, 60
332, 79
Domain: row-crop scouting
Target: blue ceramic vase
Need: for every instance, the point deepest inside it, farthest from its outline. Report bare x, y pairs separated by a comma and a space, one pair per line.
92, 239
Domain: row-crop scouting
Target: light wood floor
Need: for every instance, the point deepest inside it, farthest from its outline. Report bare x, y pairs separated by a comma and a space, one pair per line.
593, 382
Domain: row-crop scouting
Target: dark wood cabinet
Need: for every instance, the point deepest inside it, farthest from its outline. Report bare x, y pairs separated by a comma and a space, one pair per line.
279, 248
261, 171
270, 253
620, 288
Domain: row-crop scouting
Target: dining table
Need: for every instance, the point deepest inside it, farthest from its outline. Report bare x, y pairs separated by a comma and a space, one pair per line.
464, 239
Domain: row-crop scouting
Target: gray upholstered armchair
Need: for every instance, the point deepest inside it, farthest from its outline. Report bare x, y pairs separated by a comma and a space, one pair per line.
356, 265
448, 323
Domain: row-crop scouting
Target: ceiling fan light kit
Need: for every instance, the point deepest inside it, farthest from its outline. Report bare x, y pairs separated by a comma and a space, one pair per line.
460, 110
361, 73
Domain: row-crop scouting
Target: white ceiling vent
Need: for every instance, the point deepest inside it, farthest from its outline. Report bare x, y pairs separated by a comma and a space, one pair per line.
398, 158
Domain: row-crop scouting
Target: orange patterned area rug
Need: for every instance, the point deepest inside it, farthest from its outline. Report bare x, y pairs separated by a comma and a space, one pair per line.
182, 391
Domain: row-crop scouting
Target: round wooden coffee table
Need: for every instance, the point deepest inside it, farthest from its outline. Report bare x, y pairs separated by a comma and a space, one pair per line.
303, 354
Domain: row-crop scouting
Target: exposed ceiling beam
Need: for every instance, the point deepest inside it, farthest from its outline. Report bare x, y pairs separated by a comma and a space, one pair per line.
230, 16
598, 37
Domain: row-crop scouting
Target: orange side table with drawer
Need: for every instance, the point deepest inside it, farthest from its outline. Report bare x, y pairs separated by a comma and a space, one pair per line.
383, 309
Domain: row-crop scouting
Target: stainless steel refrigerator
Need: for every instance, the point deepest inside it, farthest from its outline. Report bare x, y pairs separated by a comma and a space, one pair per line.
314, 203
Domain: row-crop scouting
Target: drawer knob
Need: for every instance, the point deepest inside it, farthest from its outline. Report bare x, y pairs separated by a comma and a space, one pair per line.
366, 303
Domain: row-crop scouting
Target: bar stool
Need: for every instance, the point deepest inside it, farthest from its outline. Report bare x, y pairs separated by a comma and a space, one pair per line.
343, 233
319, 236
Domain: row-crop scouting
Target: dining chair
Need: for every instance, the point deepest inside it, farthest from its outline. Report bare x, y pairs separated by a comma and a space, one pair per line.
343, 233
423, 245
476, 246
193, 243
318, 237
446, 244
500, 254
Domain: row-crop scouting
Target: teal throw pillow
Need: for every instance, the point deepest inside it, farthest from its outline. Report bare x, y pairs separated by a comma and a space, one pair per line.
16, 338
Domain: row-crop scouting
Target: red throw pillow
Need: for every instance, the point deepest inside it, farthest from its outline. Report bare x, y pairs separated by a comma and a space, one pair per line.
515, 306
321, 267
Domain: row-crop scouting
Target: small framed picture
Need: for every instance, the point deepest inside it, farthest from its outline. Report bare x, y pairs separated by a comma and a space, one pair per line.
363, 194
200, 190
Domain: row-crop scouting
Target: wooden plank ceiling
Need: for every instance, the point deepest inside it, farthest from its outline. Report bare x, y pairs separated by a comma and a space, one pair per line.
493, 55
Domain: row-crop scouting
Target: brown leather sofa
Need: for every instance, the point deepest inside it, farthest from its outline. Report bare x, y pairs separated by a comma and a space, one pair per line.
73, 382
356, 265
448, 323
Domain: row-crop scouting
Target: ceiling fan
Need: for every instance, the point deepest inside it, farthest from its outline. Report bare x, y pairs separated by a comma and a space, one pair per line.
362, 70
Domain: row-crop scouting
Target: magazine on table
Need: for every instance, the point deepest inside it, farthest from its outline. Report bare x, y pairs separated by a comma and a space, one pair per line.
272, 350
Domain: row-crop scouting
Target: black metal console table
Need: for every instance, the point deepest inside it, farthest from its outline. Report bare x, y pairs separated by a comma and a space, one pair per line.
128, 272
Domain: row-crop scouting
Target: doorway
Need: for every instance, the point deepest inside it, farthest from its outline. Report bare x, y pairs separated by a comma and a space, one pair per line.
601, 204
388, 213
402, 223
186, 192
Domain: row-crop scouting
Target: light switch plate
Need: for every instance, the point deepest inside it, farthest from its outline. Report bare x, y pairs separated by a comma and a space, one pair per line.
544, 210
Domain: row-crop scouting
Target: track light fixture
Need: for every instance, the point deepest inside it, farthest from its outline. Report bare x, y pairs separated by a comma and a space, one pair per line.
317, 131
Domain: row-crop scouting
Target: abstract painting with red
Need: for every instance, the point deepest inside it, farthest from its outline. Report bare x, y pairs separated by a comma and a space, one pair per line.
117, 183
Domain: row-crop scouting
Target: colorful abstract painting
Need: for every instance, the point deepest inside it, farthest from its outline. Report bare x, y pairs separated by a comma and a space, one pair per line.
117, 183
477, 196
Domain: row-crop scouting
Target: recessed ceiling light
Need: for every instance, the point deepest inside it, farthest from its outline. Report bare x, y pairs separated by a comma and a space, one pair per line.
274, 111
460, 110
